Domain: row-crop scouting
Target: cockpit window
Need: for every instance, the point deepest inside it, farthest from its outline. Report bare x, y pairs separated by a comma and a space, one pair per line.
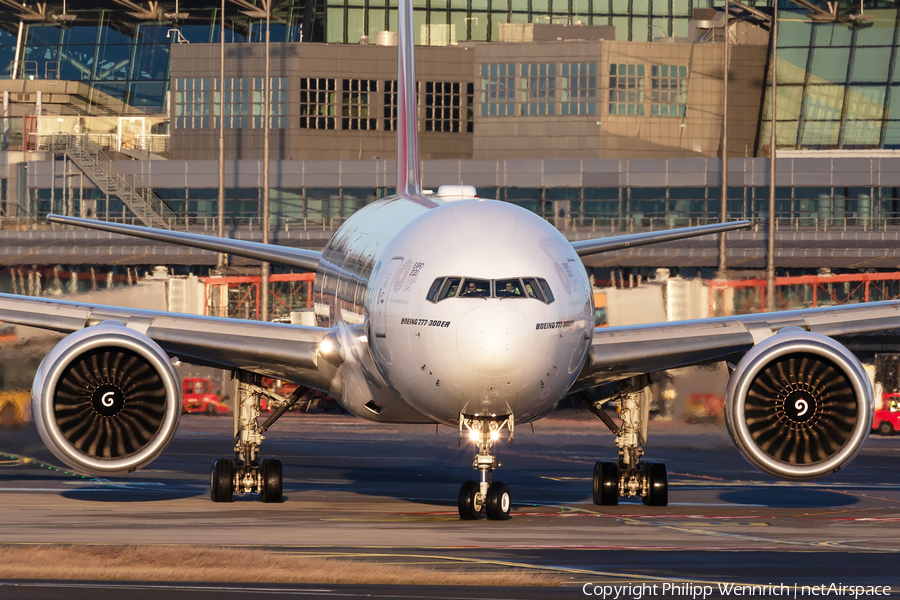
545, 288
533, 289
435, 289
476, 288
509, 288
451, 285
527, 287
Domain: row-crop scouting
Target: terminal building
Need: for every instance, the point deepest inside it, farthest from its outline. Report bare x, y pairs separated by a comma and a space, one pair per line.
601, 114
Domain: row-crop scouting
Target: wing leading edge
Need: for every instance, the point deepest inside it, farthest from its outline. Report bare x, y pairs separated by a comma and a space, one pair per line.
619, 352
620, 242
283, 255
284, 351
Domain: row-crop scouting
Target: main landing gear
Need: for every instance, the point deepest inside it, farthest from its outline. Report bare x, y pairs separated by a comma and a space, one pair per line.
630, 476
483, 497
247, 473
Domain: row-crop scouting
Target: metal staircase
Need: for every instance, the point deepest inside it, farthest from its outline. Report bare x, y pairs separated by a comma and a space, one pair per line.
100, 168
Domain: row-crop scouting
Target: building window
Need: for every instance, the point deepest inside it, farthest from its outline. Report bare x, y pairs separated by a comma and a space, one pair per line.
192, 98
626, 89
470, 107
355, 104
390, 105
317, 103
243, 103
668, 90
278, 101
442, 106
389, 122
538, 89
237, 103
579, 89
498, 90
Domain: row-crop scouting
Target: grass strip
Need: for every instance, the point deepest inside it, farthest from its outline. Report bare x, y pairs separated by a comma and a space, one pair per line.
233, 565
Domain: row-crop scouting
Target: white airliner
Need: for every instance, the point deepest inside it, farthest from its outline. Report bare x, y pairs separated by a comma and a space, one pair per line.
475, 314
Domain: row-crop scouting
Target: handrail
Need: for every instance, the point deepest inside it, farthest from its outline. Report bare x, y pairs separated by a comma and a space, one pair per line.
89, 156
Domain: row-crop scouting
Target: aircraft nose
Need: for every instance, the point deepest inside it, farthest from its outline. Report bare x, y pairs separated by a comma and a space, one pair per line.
492, 340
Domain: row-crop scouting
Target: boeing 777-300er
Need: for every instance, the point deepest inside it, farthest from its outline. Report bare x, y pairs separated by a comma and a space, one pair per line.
474, 314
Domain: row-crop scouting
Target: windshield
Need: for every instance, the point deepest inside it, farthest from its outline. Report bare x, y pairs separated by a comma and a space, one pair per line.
459, 287
476, 288
509, 288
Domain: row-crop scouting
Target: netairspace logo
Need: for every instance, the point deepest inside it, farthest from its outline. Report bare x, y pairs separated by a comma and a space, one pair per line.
701, 592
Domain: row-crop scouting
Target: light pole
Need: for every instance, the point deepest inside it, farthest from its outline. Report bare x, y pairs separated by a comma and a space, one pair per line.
264, 282
770, 251
222, 259
724, 215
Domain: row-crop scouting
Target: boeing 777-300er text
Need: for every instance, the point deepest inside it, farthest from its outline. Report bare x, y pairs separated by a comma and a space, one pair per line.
474, 314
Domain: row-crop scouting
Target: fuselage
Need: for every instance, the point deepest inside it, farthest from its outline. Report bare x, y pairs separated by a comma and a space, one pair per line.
472, 307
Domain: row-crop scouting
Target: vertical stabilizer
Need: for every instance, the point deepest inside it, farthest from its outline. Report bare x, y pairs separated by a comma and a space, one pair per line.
408, 180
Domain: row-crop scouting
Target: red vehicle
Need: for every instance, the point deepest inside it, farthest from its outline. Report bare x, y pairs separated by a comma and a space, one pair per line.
201, 395
887, 416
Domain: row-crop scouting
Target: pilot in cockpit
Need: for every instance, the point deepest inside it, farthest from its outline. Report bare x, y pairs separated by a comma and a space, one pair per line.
470, 289
509, 289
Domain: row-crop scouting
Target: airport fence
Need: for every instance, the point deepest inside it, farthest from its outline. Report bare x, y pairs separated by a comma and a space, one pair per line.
578, 228
746, 296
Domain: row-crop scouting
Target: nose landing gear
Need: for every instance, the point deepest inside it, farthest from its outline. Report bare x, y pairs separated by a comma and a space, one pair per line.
477, 498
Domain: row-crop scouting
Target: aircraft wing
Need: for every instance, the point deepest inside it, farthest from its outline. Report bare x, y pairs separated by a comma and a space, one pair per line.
619, 352
279, 350
620, 242
292, 257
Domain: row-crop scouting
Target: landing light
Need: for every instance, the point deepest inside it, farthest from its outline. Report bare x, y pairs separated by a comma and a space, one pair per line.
325, 346
474, 435
495, 434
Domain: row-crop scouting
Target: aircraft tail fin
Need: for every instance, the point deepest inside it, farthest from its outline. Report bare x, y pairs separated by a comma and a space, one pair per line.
408, 177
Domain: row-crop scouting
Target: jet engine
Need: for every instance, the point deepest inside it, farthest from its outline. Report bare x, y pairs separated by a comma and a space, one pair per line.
799, 405
106, 400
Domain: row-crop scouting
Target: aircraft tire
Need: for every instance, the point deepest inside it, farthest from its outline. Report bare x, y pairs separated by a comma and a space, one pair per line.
271, 471
498, 502
221, 480
658, 481
469, 509
606, 484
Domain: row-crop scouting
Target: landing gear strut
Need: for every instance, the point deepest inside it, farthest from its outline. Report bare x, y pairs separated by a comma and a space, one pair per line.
630, 476
247, 473
477, 498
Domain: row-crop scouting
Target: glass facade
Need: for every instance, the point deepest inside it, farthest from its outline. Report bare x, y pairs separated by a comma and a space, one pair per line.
438, 22
838, 84
130, 67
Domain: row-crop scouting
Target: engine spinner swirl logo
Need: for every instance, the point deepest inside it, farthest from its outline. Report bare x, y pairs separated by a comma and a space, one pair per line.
107, 400
800, 406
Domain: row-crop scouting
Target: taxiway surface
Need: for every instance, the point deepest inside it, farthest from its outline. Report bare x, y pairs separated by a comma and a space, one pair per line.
387, 493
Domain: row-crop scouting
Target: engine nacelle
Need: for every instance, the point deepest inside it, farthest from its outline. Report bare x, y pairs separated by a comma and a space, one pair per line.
106, 400
799, 405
